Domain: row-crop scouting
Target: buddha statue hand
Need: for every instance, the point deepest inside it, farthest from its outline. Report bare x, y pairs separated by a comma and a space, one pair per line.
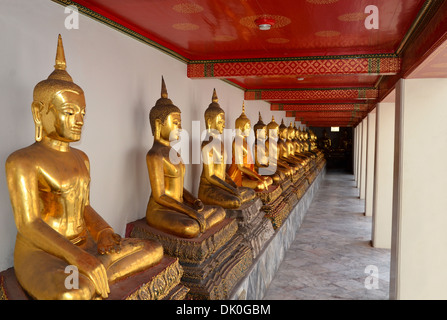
198, 205
90, 266
237, 193
266, 185
202, 221
109, 242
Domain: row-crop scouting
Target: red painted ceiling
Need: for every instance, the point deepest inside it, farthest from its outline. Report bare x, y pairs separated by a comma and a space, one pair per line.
220, 39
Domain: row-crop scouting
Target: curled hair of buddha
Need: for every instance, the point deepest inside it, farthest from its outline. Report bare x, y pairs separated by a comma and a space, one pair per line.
243, 119
291, 128
259, 125
59, 80
163, 107
272, 125
213, 109
282, 127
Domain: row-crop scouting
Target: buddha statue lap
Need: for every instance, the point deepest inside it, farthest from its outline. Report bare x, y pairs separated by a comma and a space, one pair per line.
57, 227
216, 187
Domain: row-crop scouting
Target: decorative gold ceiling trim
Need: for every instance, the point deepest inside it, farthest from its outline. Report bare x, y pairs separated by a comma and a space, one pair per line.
425, 14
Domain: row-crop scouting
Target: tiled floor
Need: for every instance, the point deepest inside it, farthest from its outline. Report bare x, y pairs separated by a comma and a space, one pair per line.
331, 257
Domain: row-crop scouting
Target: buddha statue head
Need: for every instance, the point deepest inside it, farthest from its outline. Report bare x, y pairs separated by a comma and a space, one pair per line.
58, 105
272, 129
283, 132
298, 133
243, 124
215, 115
165, 118
291, 132
260, 129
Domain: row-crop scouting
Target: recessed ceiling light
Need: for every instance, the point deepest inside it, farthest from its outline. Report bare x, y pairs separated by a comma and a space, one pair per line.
265, 23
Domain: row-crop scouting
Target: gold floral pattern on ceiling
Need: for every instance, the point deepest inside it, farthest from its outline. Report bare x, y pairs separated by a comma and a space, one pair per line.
185, 26
327, 33
353, 16
187, 8
278, 40
223, 38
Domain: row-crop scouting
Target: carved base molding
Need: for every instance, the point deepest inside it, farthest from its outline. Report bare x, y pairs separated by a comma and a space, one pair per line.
213, 263
254, 227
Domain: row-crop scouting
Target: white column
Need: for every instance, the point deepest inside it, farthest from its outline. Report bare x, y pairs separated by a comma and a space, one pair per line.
355, 150
419, 231
370, 152
359, 152
362, 186
383, 176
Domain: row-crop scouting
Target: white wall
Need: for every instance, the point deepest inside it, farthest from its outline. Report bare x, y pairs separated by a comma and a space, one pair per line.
362, 186
383, 176
121, 78
419, 237
370, 157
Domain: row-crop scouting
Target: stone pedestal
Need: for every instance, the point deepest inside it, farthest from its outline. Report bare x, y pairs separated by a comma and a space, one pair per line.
160, 282
213, 263
291, 199
254, 227
274, 205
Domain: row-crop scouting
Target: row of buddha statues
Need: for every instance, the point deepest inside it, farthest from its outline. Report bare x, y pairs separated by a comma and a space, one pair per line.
49, 183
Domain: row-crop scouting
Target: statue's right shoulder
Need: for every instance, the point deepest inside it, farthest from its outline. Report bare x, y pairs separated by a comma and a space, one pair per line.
23, 157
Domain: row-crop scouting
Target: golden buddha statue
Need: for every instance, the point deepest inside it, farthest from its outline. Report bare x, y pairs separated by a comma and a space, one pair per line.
271, 147
241, 170
49, 186
295, 137
171, 208
216, 186
285, 150
262, 162
305, 140
302, 137
326, 142
295, 147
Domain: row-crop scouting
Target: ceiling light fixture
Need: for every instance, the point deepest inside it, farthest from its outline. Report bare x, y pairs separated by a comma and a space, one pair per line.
300, 79
264, 23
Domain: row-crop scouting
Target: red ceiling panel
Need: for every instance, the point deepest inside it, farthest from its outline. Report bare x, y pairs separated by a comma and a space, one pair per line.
210, 29
318, 52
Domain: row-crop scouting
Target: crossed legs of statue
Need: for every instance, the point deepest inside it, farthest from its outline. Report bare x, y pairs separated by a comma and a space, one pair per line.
43, 275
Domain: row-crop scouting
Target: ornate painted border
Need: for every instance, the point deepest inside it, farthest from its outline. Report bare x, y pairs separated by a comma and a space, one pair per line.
319, 107
312, 94
296, 66
325, 114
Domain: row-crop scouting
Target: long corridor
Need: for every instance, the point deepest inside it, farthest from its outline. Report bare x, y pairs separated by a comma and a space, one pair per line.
331, 257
